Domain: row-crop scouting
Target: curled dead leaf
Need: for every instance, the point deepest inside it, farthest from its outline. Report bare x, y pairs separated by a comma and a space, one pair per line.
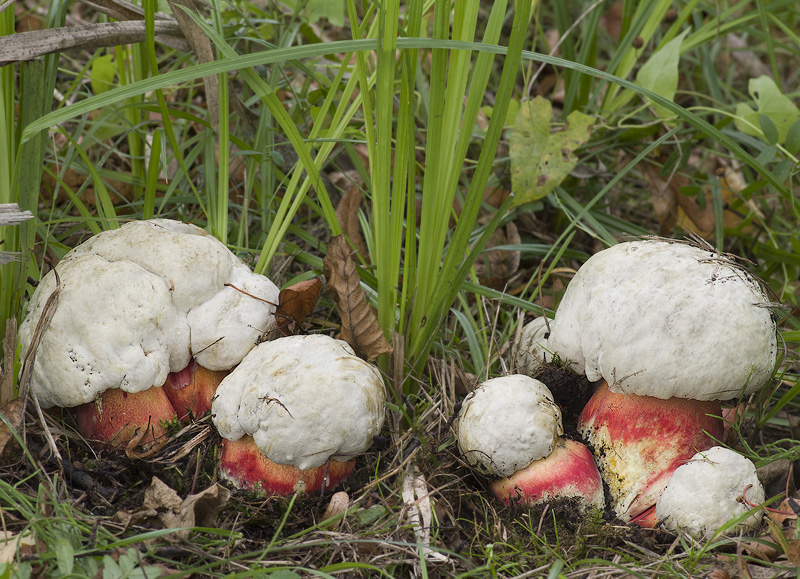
336, 507
295, 303
162, 504
347, 214
360, 326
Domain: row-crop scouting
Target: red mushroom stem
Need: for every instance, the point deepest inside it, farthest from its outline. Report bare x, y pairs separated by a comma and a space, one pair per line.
569, 471
243, 464
639, 441
116, 417
190, 391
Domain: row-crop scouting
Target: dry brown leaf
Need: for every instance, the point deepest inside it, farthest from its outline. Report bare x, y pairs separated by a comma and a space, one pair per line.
793, 552
295, 303
10, 450
360, 326
163, 504
664, 196
496, 266
347, 214
7, 374
203, 49
11, 546
676, 209
337, 505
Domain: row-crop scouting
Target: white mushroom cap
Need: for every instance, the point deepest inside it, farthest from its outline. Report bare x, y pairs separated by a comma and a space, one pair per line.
533, 349
507, 423
89, 346
194, 264
665, 319
303, 399
215, 323
228, 325
706, 492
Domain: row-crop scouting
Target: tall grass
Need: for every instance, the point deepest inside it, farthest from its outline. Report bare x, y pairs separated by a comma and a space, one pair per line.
406, 108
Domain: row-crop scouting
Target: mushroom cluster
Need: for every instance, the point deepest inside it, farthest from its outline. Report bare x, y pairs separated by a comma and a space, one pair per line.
149, 317
666, 330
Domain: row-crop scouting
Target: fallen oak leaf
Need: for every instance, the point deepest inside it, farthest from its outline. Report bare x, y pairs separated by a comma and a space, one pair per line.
295, 303
360, 326
347, 214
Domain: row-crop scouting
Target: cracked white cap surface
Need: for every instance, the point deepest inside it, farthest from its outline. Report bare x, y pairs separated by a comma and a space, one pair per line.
506, 423
706, 492
217, 324
115, 327
666, 319
303, 399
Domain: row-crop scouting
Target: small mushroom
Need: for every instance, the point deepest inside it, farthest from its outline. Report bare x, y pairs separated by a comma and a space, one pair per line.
141, 307
295, 413
533, 349
661, 323
509, 427
713, 487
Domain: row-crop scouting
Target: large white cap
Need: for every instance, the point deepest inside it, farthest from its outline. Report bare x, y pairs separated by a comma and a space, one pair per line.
506, 423
666, 319
217, 324
303, 399
115, 327
194, 264
710, 490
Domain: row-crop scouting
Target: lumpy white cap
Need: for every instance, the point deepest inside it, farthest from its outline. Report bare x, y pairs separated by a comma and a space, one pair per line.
115, 327
303, 399
710, 490
666, 319
168, 302
507, 423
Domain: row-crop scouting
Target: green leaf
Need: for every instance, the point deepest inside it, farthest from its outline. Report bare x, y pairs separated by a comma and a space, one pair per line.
371, 514
793, 138
771, 103
540, 161
65, 555
769, 129
102, 74
316, 10
660, 73
110, 568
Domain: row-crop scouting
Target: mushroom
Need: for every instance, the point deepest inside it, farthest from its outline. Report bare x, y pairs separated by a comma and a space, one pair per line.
713, 487
509, 427
533, 349
660, 322
141, 307
294, 414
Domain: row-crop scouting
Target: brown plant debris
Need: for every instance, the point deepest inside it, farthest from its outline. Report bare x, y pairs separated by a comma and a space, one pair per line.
347, 214
162, 503
13, 412
295, 303
360, 326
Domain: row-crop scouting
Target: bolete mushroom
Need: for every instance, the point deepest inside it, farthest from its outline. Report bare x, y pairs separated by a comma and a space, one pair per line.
141, 307
533, 348
661, 322
710, 489
295, 413
510, 428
